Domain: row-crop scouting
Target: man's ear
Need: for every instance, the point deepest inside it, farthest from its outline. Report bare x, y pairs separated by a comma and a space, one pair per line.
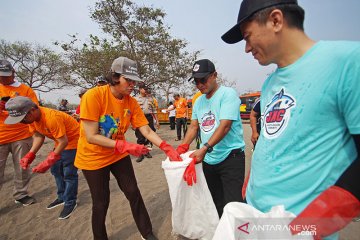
276, 19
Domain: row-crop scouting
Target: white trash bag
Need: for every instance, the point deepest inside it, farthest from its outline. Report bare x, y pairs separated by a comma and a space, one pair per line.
242, 221
194, 213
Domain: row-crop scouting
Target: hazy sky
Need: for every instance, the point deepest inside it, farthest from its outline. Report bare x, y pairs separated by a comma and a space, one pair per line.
200, 22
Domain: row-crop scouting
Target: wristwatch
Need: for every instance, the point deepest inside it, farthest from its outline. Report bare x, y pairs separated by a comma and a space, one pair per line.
209, 148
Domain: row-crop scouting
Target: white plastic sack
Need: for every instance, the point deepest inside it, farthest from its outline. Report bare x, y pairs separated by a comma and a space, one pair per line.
193, 211
242, 221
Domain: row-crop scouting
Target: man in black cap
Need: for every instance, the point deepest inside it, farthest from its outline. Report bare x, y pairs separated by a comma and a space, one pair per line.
216, 114
307, 157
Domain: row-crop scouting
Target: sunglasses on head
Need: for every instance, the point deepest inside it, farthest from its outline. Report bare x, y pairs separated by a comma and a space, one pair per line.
202, 80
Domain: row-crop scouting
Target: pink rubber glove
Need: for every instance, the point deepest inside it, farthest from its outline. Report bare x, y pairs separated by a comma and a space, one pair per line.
47, 163
170, 151
190, 173
183, 148
331, 211
27, 160
137, 150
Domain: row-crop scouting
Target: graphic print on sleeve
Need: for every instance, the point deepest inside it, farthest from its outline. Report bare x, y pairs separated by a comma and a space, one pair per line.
277, 114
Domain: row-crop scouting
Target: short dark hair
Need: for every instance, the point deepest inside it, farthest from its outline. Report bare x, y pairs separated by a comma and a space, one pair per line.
293, 14
176, 95
115, 75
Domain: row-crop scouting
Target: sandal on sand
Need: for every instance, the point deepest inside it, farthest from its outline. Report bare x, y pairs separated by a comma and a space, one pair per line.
177, 139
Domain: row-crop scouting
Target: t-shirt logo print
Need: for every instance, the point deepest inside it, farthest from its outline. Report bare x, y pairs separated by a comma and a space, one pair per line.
208, 122
277, 114
107, 126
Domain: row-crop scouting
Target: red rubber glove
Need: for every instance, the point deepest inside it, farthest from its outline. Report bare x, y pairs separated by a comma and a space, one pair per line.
47, 163
27, 160
243, 190
137, 150
331, 211
183, 148
2, 105
190, 173
170, 151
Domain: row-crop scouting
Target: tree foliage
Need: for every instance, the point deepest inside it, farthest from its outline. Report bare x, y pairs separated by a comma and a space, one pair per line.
38, 67
91, 60
141, 34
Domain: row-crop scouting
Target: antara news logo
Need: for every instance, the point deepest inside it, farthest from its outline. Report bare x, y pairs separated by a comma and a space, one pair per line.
274, 230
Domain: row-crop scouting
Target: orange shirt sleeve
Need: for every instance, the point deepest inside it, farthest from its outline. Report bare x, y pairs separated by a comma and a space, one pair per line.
90, 106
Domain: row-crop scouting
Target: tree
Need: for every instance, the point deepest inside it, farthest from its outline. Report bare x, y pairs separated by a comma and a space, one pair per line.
141, 35
225, 82
37, 66
89, 61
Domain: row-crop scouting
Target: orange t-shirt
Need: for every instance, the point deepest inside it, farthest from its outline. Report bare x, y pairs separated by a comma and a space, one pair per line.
195, 97
181, 107
56, 124
114, 117
14, 132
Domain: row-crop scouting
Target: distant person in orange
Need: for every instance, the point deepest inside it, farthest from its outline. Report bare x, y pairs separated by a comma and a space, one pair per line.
106, 114
181, 115
198, 137
64, 130
195, 97
15, 139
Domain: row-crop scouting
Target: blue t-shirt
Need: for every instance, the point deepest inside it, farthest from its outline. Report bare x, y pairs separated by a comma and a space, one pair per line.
309, 111
223, 105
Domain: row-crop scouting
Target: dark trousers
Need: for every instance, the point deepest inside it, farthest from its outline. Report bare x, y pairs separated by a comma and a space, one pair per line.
225, 180
140, 138
98, 181
181, 122
66, 177
172, 123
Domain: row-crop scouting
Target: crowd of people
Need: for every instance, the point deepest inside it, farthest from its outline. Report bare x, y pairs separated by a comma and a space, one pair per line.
304, 127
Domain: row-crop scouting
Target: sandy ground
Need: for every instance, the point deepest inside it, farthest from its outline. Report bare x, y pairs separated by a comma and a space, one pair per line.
36, 222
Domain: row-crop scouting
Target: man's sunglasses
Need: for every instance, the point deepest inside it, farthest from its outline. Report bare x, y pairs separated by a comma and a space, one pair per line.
202, 80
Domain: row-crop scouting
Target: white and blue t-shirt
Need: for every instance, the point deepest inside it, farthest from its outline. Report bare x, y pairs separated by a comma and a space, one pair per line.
223, 105
309, 111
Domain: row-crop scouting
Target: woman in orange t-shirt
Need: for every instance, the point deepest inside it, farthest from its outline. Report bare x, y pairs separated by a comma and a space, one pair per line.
106, 114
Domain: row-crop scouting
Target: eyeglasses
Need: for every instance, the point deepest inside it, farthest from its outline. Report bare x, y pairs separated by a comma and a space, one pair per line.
202, 80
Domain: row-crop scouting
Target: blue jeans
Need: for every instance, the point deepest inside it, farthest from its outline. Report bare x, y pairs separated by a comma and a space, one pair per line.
66, 177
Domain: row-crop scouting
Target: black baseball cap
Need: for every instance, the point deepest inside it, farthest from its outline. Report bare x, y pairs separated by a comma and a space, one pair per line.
202, 68
247, 9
